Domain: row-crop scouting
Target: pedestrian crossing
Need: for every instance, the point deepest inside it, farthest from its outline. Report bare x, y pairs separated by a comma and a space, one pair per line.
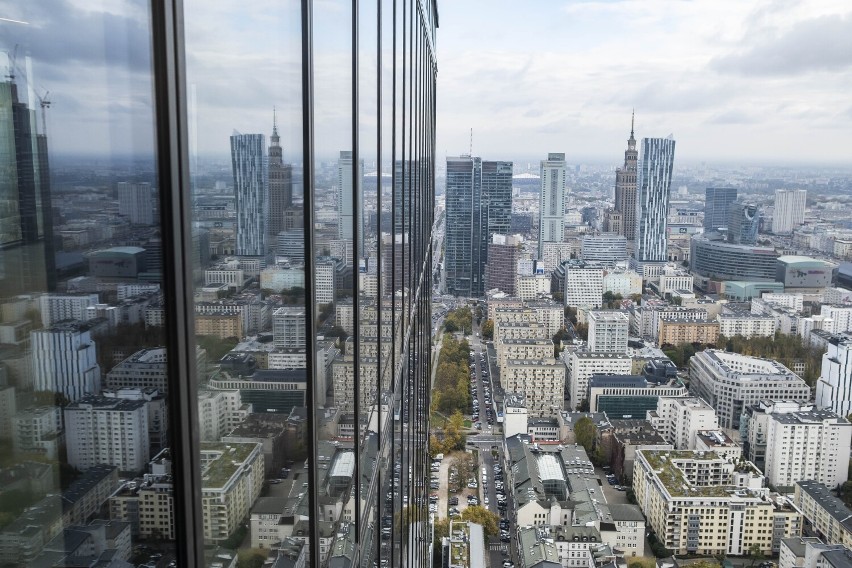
497, 547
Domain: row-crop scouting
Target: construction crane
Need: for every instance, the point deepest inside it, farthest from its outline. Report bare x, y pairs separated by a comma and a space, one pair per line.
44, 103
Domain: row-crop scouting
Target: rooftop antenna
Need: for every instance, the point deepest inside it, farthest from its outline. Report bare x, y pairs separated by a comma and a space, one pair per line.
44, 103
470, 150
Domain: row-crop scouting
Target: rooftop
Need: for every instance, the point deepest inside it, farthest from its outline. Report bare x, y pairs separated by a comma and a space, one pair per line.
219, 469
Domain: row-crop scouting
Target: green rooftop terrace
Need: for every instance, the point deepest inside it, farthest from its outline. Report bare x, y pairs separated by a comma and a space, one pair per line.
663, 462
219, 470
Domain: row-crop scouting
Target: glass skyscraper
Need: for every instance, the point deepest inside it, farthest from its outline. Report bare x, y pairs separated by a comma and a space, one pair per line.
551, 208
717, 203
652, 200
478, 205
275, 405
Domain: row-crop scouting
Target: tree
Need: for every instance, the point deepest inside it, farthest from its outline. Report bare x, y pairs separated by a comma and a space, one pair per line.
488, 329
585, 432
756, 554
582, 331
482, 516
251, 558
465, 466
637, 298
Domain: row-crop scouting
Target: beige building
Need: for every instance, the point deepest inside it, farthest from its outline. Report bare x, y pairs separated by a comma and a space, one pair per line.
221, 325
523, 349
678, 331
827, 515
542, 382
747, 325
701, 503
581, 364
231, 480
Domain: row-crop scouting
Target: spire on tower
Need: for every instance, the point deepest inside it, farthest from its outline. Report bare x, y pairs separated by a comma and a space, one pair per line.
632, 120
274, 123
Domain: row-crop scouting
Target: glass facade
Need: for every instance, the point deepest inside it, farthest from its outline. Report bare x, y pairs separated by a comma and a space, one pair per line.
652, 202
215, 282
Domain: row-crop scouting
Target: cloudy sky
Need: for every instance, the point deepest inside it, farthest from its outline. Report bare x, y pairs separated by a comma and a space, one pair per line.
732, 80
757, 81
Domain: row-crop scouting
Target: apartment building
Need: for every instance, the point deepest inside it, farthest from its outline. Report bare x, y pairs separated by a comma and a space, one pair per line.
701, 503
231, 480
746, 324
523, 349
542, 382
834, 387
101, 430
679, 419
826, 515
219, 412
608, 331
581, 364
675, 331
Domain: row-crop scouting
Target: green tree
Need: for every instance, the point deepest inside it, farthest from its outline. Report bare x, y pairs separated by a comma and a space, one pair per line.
442, 529
482, 516
251, 558
582, 331
585, 432
488, 329
756, 554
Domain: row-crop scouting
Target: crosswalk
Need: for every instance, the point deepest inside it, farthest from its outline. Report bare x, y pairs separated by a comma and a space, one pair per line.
497, 547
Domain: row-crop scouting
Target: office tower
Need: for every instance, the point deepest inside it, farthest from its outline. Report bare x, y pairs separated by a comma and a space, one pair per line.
789, 210
625, 190
742, 224
248, 162
719, 260
608, 331
551, 203
834, 386
652, 199
478, 204
26, 222
347, 210
717, 207
113, 431
503, 254
136, 201
280, 183
64, 360
606, 248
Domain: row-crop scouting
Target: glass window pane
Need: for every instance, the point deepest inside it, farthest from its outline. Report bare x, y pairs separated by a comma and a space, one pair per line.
85, 465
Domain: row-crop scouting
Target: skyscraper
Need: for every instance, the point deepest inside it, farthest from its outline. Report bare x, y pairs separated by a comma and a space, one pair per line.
26, 225
789, 210
652, 202
742, 223
346, 209
478, 204
717, 203
551, 204
625, 189
280, 183
136, 202
248, 162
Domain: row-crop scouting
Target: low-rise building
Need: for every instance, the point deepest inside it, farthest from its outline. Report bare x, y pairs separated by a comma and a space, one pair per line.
746, 324
826, 515
676, 331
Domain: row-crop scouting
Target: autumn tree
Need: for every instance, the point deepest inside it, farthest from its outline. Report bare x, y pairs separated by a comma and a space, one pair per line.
488, 330
482, 516
584, 433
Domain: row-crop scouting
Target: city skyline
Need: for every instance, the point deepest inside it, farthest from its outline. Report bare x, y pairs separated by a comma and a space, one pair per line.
730, 82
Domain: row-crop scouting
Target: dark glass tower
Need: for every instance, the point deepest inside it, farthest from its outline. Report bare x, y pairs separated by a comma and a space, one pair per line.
478, 205
717, 203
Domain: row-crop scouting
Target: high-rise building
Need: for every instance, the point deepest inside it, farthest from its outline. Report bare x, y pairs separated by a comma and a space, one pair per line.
625, 191
347, 189
501, 269
64, 360
652, 199
251, 178
551, 203
478, 204
280, 183
136, 201
606, 248
26, 223
834, 387
107, 430
743, 223
288, 327
717, 204
608, 331
789, 210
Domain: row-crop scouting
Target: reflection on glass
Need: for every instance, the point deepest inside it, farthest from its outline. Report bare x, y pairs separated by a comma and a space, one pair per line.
85, 464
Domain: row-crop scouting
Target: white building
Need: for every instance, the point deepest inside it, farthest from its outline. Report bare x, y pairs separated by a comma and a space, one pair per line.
794, 301
515, 415
60, 307
842, 316
746, 324
551, 210
807, 445
324, 285
606, 248
608, 331
729, 382
554, 253
38, 430
622, 282
107, 430
219, 412
581, 364
279, 278
137, 202
144, 369
674, 279
789, 210
679, 420
64, 360
583, 284
834, 387
837, 296
288, 327
549, 313
754, 426
532, 287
